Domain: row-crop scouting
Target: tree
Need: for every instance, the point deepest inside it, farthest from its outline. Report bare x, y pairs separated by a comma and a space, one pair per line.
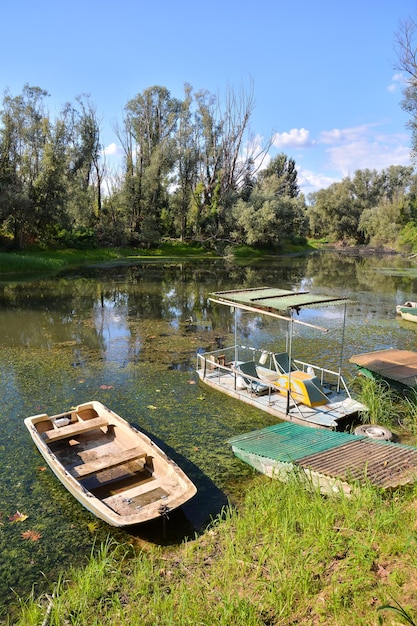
185, 172
23, 137
335, 213
274, 210
151, 120
406, 48
284, 171
228, 158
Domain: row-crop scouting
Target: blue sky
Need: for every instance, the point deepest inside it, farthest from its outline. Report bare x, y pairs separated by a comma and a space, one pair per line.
323, 72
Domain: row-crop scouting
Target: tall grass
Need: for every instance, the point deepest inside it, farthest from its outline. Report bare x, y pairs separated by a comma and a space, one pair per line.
289, 556
381, 401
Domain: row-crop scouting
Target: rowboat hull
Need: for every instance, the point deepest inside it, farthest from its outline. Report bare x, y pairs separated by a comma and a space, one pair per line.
114, 470
409, 314
408, 311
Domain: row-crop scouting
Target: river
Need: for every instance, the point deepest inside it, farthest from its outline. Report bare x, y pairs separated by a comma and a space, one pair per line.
123, 335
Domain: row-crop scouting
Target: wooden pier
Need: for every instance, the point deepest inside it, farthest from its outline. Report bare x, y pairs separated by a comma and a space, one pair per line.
397, 367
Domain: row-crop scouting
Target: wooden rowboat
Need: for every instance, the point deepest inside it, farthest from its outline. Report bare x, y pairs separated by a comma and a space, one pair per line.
117, 472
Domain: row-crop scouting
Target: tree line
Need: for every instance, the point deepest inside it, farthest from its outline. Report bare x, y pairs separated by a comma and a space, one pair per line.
190, 171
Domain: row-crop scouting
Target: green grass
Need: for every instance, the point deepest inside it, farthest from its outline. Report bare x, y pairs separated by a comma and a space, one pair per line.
288, 556
37, 261
382, 402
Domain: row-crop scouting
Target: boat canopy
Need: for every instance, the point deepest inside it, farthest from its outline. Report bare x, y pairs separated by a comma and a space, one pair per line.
269, 299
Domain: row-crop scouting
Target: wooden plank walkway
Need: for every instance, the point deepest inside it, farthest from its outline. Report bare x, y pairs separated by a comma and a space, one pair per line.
337, 455
393, 365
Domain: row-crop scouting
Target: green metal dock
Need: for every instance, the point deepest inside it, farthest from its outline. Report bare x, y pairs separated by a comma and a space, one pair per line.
332, 457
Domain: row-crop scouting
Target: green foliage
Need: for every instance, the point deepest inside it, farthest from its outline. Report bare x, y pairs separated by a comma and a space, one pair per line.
371, 207
289, 555
399, 610
407, 239
187, 173
379, 398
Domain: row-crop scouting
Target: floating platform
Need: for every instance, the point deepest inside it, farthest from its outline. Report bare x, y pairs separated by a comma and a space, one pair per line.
333, 461
397, 367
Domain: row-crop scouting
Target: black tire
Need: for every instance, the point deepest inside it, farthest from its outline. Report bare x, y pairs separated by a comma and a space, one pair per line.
374, 432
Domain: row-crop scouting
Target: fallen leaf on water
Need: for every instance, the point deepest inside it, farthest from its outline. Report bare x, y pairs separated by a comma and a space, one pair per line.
106, 387
81, 381
191, 382
33, 535
152, 406
18, 517
42, 468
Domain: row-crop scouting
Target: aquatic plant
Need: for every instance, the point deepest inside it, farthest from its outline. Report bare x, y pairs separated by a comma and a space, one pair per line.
380, 399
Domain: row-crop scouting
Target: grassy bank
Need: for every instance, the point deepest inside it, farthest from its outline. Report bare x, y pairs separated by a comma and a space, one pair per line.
50, 261
288, 556
36, 260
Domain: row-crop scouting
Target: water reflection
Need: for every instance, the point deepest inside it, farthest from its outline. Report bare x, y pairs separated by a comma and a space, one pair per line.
121, 335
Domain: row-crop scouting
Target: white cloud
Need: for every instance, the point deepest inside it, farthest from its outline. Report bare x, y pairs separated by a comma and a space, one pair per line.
295, 138
113, 150
340, 135
374, 155
340, 152
398, 80
360, 147
310, 181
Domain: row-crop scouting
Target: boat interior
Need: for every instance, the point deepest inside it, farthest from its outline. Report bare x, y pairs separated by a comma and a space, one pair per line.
102, 457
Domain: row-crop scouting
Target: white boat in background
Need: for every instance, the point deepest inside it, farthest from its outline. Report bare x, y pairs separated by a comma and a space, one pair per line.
408, 311
285, 387
116, 471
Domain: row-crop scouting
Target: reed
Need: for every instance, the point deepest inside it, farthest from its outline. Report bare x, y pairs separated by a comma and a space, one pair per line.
288, 556
381, 401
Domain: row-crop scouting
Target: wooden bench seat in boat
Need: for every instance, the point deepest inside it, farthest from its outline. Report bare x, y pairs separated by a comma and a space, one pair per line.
107, 461
74, 429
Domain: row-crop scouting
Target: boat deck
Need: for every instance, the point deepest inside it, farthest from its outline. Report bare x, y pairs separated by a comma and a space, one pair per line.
275, 403
392, 364
335, 455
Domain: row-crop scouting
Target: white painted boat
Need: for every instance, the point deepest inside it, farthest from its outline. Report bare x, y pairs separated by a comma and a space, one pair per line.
408, 311
116, 471
287, 388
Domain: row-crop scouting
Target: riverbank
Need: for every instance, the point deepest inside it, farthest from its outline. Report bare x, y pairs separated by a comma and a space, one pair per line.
52, 261
288, 556
34, 261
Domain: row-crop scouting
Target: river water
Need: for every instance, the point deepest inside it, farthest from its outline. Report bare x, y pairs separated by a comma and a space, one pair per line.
119, 334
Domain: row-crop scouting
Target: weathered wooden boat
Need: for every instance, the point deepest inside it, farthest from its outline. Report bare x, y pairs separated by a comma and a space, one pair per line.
285, 387
333, 462
396, 367
116, 471
408, 311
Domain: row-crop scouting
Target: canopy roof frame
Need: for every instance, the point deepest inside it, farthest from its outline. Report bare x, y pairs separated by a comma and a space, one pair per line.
269, 301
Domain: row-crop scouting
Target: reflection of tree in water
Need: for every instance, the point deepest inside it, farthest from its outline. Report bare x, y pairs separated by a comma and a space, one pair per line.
382, 274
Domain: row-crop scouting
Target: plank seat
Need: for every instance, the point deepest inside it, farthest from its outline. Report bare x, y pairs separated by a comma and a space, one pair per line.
74, 429
107, 461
